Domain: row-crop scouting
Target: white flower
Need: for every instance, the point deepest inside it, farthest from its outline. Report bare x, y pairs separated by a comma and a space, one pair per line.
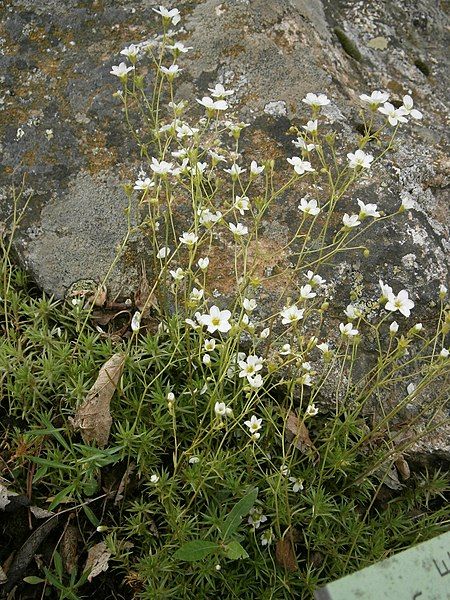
242, 204
178, 48
161, 167
347, 330
211, 104
386, 289
256, 517
170, 397
316, 100
194, 460
291, 314
408, 108
359, 159
297, 484
284, 470
300, 143
352, 312
305, 379
143, 184
222, 410
442, 291
351, 221
314, 279
154, 478
254, 424
264, 333
235, 170
209, 345
256, 381
250, 366
122, 70
172, 15
394, 115
311, 126
203, 263
254, 169
249, 305
171, 71
207, 218
323, 347
188, 238
196, 295
393, 327
192, 324
401, 302
178, 275
312, 410
407, 204
183, 131
306, 292
285, 349
267, 537
178, 107
131, 51
444, 353
206, 359
417, 327
163, 252
238, 229
136, 321
368, 210
375, 99
300, 166
216, 320
220, 92
309, 207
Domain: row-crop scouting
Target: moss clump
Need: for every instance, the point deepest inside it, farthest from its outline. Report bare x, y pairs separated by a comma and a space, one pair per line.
349, 47
423, 67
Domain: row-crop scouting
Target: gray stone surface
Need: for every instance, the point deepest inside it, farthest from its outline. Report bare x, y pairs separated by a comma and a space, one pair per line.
55, 61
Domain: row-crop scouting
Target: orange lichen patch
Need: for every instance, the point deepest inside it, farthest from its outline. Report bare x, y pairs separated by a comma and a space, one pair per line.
264, 147
99, 156
221, 274
263, 256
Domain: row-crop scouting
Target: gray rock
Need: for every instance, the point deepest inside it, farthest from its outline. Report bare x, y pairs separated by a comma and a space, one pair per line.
56, 59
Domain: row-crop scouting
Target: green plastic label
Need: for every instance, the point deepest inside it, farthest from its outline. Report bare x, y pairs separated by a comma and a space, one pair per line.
420, 573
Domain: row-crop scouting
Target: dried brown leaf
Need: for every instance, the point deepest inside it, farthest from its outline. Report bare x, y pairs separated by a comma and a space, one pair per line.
124, 482
69, 548
4, 500
403, 468
97, 560
41, 513
297, 433
93, 417
285, 551
143, 298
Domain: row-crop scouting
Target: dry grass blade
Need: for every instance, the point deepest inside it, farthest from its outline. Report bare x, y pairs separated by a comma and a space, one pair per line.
93, 417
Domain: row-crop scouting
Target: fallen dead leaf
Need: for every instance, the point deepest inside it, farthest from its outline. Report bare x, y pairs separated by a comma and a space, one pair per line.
93, 417
69, 547
124, 482
41, 513
143, 298
4, 500
403, 468
97, 560
297, 433
285, 551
